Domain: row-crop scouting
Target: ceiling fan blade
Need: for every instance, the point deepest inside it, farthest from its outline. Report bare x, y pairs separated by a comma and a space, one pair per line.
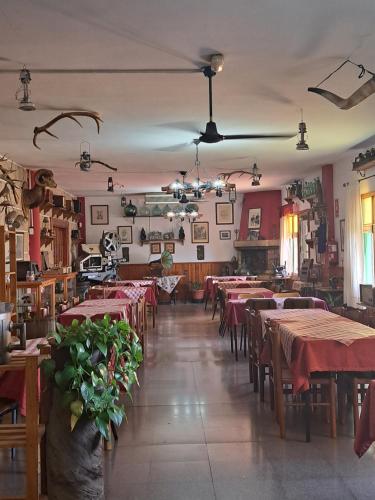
187, 126
366, 143
109, 71
175, 147
258, 136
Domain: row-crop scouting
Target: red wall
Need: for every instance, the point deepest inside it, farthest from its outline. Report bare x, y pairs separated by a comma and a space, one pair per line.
270, 203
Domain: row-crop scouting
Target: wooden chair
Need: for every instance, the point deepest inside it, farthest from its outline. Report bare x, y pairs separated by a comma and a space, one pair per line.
286, 294
298, 303
257, 370
280, 376
9, 406
360, 384
28, 434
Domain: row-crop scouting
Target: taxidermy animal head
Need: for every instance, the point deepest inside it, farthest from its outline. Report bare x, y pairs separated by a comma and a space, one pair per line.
14, 219
34, 197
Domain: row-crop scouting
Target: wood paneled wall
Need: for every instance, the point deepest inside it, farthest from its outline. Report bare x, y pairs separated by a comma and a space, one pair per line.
194, 271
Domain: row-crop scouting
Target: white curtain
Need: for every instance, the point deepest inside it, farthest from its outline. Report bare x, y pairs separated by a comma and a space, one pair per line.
285, 257
353, 245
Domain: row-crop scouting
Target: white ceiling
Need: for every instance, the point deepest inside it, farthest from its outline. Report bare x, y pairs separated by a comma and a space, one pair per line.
273, 51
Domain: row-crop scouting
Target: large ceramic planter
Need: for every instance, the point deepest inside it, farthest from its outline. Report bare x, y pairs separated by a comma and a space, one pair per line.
197, 296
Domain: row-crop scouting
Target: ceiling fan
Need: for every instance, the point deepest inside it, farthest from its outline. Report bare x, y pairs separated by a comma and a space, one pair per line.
211, 134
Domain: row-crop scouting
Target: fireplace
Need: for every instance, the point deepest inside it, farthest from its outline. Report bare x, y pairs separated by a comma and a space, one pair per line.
258, 257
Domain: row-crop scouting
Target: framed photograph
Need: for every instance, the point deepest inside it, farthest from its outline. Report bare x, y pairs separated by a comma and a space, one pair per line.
224, 213
20, 241
155, 247
342, 234
169, 247
225, 235
199, 232
200, 252
254, 218
253, 234
126, 234
99, 215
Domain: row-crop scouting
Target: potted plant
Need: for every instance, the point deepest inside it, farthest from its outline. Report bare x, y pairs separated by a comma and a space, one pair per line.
197, 292
90, 363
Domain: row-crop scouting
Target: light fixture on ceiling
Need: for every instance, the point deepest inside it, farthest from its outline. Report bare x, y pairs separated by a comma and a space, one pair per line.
255, 175
181, 213
302, 144
217, 62
23, 94
179, 189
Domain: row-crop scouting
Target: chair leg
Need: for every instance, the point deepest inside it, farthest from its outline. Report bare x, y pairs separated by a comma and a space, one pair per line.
355, 405
214, 311
256, 376
280, 410
307, 411
272, 393
235, 342
205, 303
231, 340
332, 406
14, 421
244, 340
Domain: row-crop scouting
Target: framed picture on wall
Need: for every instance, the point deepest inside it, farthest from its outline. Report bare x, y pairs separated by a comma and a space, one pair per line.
253, 234
155, 247
255, 215
342, 234
200, 252
169, 247
99, 215
199, 232
125, 234
224, 213
225, 235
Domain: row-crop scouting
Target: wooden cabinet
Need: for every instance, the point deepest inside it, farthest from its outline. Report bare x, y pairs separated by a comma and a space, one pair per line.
8, 266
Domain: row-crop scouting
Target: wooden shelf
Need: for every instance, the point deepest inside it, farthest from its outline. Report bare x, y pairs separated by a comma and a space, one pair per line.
256, 243
148, 242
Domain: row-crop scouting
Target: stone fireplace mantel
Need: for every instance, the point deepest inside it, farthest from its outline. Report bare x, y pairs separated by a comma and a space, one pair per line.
253, 244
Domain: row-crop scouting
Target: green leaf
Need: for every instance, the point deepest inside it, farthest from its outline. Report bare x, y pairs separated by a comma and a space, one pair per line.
56, 336
86, 391
63, 377
49, 367
102, 348
116, 415
73, 420
102, 369
102, 427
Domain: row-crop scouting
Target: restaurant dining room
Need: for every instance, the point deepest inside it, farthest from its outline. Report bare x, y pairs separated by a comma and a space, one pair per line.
187, 250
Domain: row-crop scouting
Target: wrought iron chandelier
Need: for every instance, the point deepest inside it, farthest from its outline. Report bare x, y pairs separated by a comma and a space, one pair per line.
180, 188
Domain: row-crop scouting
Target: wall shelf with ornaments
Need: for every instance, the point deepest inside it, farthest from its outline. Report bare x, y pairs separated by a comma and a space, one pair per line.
148, 242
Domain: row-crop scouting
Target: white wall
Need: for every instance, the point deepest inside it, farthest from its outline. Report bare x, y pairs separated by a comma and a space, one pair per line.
216, 250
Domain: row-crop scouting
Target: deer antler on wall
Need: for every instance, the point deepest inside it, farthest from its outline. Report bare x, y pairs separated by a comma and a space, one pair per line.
356, 98
227, 175
10, 184
90, 114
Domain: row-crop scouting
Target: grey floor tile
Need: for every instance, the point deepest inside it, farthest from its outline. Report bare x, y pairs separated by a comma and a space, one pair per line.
248, 489
317, 489
180, 471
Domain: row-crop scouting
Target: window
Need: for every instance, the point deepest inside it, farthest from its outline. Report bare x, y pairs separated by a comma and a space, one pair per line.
368, 219
289, 243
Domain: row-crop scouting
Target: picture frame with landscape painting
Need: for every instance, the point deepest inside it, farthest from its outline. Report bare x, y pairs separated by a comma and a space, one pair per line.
255, 217
199, 232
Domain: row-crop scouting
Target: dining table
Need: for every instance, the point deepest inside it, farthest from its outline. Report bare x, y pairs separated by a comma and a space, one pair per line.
209, 282
316, 340
117, 309
13, 383
233, 293
131, 292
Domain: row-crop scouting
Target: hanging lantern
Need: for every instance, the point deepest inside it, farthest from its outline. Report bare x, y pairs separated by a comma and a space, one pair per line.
110, 187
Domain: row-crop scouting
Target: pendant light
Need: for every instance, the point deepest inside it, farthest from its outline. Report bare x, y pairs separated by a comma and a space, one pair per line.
110, 187
302, 144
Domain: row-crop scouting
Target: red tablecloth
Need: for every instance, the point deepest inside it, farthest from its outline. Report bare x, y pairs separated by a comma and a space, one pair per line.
135, 283
95, 309
318, 303
131, 292
365, 433
12, 384
233, 293
208, 282
322, 352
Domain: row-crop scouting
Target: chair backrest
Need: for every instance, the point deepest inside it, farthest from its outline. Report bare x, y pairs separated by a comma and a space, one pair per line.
298, 303
259, 304
286, 294
250, 296
117, 294
95, 293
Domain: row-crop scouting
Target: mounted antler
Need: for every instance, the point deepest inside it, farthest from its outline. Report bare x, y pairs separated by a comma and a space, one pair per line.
227, 175
357, 97
90, 114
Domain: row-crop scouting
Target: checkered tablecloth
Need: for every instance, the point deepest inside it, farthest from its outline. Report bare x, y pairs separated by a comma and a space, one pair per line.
115, 308
136, 283
168, 283
131, 292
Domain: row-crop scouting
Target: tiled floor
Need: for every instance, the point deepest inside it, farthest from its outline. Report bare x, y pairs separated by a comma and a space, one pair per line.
196, 430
